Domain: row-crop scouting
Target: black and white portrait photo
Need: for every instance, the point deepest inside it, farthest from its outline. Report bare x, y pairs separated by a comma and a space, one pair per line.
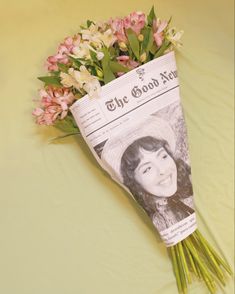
145, 158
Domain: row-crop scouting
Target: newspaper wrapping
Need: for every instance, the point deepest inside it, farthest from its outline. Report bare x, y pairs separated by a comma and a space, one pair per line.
136, 131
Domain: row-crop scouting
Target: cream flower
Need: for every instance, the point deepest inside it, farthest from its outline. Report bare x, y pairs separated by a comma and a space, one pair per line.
174, 37
81, 79
82, 51
84, 75
108, 38
92, 35
90, 83
97, 38
102, 25
71, 79
92, 88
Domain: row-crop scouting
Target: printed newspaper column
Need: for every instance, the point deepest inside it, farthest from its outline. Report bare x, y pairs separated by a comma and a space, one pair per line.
136, 130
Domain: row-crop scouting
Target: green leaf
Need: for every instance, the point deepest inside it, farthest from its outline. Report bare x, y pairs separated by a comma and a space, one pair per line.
162, 49
151, 17
153, 49
93, 55
134, 42
169, 21
62, 67
64, 136
55, 73
89, 22
112, 52
81, 59
108, 74
148, 40
67, 125
50, 80
75, 61
117, 67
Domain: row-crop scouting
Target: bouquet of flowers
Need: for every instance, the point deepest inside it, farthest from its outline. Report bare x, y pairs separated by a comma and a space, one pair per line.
116, 84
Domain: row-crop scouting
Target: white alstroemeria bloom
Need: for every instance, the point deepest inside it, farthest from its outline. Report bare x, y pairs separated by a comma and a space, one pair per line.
174, 37
102, 25
108, 38
98, 38
71, 79
90, 83
81, 79
93, 88
84, 75
92, 35
82, 51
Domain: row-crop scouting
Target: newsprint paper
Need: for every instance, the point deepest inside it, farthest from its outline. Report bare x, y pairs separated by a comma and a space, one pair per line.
136, 130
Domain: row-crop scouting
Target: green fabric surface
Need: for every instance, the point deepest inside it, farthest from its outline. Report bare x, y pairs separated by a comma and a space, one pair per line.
65, 226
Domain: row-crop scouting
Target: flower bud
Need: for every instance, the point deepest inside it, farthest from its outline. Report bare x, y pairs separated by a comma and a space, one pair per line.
143, 57
100, 55
99, 73
123, 46
141, 37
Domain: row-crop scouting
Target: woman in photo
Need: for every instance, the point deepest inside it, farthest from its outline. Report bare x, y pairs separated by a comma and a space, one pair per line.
159, 182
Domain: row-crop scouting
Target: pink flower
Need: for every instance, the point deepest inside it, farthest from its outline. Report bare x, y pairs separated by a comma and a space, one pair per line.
117, 26
64, 50
127, 62
158, 28
135, 21
55, 102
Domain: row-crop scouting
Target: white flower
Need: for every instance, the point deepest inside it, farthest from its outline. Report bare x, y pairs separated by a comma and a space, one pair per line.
92, 35
102, 25
108, 38
82, 51
84, 75
71, 79
90, 83
81, 79
174, 37
97, 38
93, 88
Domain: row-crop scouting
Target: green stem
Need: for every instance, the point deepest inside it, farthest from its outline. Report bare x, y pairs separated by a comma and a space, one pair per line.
181, 270
190, 258
64, 136
205, 274
198, 270
216, 255
176, 269
184, 263
210, 258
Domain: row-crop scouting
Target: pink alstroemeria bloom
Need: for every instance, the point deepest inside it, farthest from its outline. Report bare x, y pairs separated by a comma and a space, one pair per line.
63, 51
135, 21
117, 27
127, 62
54, 102
158, 28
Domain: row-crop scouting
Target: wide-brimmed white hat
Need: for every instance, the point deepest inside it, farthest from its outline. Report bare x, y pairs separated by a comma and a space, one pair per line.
116, 146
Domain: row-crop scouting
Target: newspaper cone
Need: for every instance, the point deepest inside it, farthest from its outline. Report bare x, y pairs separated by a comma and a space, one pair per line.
136, 131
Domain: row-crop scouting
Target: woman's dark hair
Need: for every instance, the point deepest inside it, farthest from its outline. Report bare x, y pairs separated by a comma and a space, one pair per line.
131, 159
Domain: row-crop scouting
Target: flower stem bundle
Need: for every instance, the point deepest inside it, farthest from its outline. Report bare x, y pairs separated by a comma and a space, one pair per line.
195, 257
